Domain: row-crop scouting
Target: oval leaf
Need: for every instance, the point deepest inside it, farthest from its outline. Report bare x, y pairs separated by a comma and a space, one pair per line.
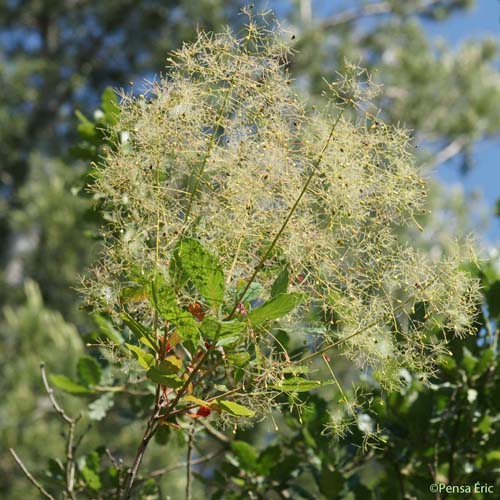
297, 384
276, 307
89, 371
144, 359
235, 409
67, 385
202, 268
280, 285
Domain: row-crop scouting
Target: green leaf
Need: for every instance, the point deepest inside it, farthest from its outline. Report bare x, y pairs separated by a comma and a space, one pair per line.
298, 384
276, 307
162, 296
246, 454
109, 106
493, 299
172, 381
214, 329
149, 344
56, 470
296, 369
145, 359
280, 285
99, 407
85, 128
139, 330
187, 327
162, 435
485, 425
107, 329
269, 458
330, 482
239, 359
195, 400
469, 361
169, 365
252, 293
165, 372
91, 479
202, 268
235, 409
163, 299
67, 385
485, 361
493, 456
89, 371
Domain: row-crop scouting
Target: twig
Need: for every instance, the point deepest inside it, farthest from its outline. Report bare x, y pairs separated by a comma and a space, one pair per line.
189, 472
447, 153
117, 465
196, 461
70, 445
149, 433
151, 426
371, 9
28, 474
53, 400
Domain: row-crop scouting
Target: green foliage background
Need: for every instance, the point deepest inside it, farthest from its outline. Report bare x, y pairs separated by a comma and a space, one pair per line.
58, 56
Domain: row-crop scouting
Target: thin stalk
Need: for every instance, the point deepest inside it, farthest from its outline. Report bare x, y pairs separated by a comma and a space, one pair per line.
28, 474
266, 255
150, 431
189, 471
70, 444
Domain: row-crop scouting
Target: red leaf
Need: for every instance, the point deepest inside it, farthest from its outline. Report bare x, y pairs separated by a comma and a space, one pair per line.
196, 310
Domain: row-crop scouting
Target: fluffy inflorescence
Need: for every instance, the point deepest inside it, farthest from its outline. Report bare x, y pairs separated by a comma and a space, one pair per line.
221, 148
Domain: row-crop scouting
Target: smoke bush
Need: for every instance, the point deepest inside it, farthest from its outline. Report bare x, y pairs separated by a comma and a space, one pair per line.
227, 193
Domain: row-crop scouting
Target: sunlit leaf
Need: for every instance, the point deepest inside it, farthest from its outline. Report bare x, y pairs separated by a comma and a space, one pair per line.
67, 385
89, 370
298, 384
280, 285
139, 330
202, 268
276, 307
235, 409
145, 359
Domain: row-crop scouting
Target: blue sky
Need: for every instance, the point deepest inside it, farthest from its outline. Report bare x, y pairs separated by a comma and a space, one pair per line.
481, 21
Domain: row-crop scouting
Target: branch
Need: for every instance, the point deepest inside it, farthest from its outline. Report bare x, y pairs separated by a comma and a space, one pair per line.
189, 472
70, 445
53, 400
149, 433
447, 153
28, 474
371, 9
